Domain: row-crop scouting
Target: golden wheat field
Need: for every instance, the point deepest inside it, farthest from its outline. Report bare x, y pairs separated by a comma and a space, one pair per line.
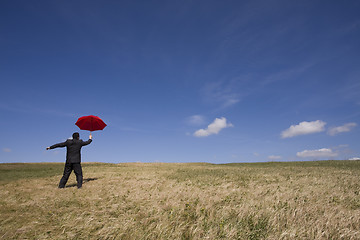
298, 200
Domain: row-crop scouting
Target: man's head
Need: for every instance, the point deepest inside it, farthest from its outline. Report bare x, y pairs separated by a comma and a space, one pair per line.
76, 135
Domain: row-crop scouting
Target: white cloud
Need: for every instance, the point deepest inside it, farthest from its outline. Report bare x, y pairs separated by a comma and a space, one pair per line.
6, 150
196, 120
304, 128
213, 128
323, 152
344, 128
274, 157
354, 158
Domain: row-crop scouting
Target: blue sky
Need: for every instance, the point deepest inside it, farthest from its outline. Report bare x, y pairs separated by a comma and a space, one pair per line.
181, 81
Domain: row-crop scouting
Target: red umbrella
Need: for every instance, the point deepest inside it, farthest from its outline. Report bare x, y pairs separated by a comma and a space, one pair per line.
91, 123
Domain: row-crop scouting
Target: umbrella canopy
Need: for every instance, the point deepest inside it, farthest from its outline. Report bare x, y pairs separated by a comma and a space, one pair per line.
91, 123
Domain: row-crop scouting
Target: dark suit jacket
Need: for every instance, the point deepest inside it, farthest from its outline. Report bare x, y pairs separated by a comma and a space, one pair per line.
73, 147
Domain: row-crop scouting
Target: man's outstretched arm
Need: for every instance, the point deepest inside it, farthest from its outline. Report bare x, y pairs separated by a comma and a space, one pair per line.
63, 144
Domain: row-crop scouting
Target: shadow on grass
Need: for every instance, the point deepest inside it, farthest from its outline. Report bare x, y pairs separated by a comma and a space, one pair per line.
84, 181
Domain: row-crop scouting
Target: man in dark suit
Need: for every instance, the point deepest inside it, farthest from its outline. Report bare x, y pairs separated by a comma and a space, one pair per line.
73, 158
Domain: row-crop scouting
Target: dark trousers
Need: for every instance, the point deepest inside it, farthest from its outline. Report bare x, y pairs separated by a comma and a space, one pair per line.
67, 170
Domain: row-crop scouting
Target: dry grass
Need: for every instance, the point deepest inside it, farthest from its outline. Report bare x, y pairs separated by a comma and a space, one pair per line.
312, 200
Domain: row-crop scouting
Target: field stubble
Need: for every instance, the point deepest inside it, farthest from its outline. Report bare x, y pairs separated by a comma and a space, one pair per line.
311, 200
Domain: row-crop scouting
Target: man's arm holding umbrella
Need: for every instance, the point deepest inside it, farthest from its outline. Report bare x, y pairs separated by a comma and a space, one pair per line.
88, 141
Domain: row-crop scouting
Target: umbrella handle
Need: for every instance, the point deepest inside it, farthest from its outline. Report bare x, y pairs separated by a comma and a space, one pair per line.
90, 136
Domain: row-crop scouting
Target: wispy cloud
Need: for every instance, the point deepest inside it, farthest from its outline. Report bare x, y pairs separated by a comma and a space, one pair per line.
317, 153
6, 150
304, 128
286, 75
214, 128
25, 109
222, 93
274, 157
344, 128
195, 120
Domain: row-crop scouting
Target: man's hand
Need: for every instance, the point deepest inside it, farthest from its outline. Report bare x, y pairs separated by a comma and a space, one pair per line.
47, 148
90, 136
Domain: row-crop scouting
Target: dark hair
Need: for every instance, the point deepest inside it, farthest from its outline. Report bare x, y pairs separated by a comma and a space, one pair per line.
76, 135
